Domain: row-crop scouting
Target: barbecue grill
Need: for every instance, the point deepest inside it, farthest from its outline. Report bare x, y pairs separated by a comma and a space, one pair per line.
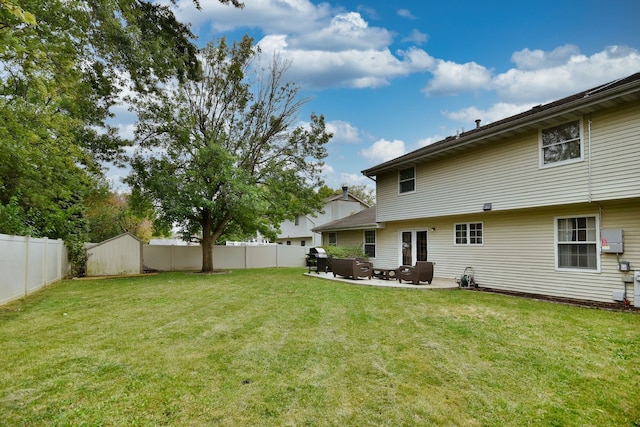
317, 258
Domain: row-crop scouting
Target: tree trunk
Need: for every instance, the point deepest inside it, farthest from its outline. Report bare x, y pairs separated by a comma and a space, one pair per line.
207, 248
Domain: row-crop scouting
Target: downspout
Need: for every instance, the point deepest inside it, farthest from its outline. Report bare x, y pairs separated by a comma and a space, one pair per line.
589, 199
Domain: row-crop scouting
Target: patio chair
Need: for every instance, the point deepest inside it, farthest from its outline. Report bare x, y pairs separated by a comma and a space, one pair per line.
421, 272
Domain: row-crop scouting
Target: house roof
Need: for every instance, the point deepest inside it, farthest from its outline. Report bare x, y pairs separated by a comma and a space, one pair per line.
610, 94
366, 218
119, 236
341, 197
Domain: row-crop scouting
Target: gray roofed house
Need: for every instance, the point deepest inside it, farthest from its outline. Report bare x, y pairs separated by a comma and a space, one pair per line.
544, 202
359, 229
300, 232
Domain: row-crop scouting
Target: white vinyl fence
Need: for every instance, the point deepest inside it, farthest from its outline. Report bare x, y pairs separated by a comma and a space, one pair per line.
182, 258
28, 264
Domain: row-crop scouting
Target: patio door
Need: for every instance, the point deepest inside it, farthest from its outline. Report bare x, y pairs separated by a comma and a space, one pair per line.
413, 246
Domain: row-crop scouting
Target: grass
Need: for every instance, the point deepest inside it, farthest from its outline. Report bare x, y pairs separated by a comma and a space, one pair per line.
273, 347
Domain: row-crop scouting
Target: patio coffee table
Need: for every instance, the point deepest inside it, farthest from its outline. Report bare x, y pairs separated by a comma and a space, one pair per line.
384, 273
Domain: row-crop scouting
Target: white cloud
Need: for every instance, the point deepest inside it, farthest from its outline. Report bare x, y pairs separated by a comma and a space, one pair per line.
496, 112
406, 13
451, 78
537, 83
335, 179
540, 77
126, 130
343, 132
329, 46
416, 37
344, 32
356, 68
527, 59
383, 150
274, 16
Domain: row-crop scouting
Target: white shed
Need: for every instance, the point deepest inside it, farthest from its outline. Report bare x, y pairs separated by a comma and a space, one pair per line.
116, 256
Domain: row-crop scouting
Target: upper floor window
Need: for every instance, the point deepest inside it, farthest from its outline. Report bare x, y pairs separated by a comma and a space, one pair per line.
297, 220
407, 180
370, 243
561, 144
469, 234
577, 243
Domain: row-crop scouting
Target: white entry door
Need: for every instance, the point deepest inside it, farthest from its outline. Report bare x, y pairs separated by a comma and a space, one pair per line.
413, 246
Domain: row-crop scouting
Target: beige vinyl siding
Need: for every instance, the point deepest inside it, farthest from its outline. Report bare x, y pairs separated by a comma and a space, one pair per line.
507, 174
518, 252
615, 146
346, 238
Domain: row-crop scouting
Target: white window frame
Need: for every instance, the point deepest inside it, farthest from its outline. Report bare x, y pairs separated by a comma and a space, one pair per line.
468, 233
335, 238
400, 181
414, 244
561, 162
374, 243
595, 242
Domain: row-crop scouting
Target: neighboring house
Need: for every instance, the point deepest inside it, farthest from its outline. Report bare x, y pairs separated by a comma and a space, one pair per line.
359, 229
116, 256
534, 203
299, 232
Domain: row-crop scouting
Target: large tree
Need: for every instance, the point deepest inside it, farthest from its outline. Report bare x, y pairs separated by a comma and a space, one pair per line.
63, 64
109, 214
223, 152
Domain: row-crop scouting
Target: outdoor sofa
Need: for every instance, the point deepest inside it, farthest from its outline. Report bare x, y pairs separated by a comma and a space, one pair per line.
351, 267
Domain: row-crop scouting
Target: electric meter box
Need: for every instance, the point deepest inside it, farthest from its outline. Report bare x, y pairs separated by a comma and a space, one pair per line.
612, 241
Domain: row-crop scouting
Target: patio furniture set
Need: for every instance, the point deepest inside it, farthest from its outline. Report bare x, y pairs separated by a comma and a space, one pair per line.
354, 268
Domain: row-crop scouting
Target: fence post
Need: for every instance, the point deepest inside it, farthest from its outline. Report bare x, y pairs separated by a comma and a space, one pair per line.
27, 241
45, 254
59, 260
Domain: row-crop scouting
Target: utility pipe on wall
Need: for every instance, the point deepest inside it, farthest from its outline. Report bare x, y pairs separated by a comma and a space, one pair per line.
589, 161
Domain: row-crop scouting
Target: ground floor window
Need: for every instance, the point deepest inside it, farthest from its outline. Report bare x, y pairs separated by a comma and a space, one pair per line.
469, 233
370, 243
577, 243
333, 239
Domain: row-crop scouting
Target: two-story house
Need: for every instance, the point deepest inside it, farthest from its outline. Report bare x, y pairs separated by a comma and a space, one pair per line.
299, 232
544, 202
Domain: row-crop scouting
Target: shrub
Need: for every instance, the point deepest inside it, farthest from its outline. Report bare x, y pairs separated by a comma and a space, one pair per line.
345, 251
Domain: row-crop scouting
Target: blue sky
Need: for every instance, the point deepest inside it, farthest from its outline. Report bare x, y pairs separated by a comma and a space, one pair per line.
393, 76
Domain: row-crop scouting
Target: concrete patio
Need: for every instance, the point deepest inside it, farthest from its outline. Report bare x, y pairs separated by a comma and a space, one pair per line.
437, 283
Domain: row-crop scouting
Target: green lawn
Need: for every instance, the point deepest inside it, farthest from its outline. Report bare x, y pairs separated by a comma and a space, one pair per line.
273, 347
